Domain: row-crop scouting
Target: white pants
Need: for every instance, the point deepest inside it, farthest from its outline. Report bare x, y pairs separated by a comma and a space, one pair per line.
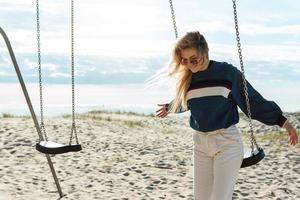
218, 156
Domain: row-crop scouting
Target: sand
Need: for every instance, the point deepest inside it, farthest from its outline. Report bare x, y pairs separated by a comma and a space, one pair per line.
134, 157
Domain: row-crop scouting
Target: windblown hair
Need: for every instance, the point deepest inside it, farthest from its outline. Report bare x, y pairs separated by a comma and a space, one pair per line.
189, 40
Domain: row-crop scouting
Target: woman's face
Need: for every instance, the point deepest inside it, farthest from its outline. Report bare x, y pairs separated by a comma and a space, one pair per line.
192, 59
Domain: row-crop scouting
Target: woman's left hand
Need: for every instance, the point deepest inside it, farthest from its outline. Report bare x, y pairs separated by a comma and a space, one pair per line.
293, 137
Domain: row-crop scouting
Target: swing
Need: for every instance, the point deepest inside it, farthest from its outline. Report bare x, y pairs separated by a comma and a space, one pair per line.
45, 146
251, 156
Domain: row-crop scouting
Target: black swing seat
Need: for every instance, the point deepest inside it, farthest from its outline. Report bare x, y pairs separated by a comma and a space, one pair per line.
49, 147
252, 158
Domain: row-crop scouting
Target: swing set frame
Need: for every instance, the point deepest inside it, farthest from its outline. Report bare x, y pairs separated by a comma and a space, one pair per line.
28, 101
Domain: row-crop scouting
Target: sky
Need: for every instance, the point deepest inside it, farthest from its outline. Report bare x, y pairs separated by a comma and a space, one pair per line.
127, 42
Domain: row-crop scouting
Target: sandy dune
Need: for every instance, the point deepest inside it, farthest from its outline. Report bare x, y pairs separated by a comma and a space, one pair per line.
134, 157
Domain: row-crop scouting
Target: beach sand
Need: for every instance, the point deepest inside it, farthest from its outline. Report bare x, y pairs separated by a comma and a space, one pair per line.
129, 156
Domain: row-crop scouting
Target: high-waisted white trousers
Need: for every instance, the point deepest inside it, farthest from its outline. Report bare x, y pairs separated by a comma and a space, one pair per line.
218, 156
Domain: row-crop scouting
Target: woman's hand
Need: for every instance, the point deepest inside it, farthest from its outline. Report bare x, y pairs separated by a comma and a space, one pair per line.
293, 137
162, 112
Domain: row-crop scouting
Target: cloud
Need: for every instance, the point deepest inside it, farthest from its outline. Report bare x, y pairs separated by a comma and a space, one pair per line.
45, 66
5, 61
59, 43
122, 38
246, 29
270, 53
17, 5
263, 29
59, 74
4, 73
131, 28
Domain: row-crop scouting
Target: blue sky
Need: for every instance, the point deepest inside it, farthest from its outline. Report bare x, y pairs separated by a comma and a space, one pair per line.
118, 42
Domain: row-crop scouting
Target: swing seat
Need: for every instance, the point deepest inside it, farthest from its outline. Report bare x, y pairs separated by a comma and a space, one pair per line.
49, 147
252, 158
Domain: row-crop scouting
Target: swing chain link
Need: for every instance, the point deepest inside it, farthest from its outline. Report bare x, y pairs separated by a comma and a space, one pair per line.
42, 126
253, 140
73, 129
176, 36
173, 18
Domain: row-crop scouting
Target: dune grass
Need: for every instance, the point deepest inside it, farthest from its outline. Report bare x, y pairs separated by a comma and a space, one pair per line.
110, 118
9, 115
272, 137
119, 112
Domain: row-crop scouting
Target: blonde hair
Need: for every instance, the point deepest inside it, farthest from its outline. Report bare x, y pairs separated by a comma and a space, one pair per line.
189, 40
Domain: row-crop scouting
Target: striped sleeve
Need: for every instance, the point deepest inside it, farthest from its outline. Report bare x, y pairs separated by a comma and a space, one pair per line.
263, 110
178, 110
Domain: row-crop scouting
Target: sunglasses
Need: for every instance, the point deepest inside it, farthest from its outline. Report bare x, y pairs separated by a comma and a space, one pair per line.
194, 60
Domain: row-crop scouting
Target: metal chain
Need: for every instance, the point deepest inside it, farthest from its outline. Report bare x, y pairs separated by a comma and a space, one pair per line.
253, 140
73, 129
173, 18
42, 126
176, 36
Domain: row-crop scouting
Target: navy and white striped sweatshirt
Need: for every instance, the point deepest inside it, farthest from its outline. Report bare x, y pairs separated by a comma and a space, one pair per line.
215, 93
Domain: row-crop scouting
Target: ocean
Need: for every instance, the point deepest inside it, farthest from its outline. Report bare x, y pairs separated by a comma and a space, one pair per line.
126, 97
57, 98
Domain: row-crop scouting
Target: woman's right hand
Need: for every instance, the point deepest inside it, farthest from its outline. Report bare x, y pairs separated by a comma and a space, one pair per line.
162, 112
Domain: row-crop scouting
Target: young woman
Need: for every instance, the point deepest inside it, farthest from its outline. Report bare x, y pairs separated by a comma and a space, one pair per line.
212, 90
